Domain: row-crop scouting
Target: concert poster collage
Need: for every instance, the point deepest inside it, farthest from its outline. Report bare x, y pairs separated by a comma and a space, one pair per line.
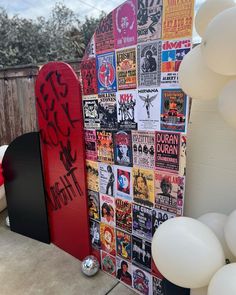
135, 119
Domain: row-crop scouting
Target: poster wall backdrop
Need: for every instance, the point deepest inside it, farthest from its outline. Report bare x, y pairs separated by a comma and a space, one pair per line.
136, 133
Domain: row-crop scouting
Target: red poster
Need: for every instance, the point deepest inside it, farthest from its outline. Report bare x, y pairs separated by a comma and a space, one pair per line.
60, 121
89, 77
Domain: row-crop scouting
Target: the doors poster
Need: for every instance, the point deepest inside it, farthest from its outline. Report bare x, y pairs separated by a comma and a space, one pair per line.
173, 110
136, 134
125, 24
149, 64
148, 108
126, 68
107, 111
149, 18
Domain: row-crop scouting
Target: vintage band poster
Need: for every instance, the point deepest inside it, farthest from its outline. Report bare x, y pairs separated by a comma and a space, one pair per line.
90, 49
157, 286
158, 217
94, 205
141, 253
106, 72
143, 148
123, 148
89, 76
91, 115
126, 110
167, 146
123, 215
105, 146
108, 238
169, 193
149, 19
123, 244
107, 211
126, 68
125, 24
149, 64
173, 110
123, 182
92, 175
124, 271
148, 108
108, 263
107, 111
142, 221
106, 179
104, 35
95, 234
142, 280
177, 19
90, 145
173, 52
143, 186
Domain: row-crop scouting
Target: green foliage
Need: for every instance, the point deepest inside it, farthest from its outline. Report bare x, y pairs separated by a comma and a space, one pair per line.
60, 37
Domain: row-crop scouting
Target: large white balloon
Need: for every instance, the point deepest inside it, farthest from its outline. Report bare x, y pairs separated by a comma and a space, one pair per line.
208, 10
197, 80
219, 43
187, 252
223, 282
216, 222
199, 291
230, 232
227, 103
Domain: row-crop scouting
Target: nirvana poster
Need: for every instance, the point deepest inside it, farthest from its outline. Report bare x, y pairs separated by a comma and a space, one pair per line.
126, 109
123, 148
148, 108
149, 18
149, 64
107, 111
126, 68
106, 72
173, 110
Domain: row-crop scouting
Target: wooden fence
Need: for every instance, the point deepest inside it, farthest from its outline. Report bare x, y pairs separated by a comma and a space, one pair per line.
17, 101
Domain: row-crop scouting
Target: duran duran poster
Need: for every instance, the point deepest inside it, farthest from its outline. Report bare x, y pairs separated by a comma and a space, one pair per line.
123, 148
107, 111
126, 110
123, 182
148, 108
89, 77
149, 20
104, 35
106, 72
91, 115
90, 145
143, 149
149, 64
126, 68
125, 24
173, 52
173, 110
177, 19
167, 146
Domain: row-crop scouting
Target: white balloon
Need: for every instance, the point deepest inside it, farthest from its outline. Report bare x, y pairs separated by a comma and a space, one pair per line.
219, 43
3, 149
187, 252
227, 103
208, 10
197, 80
216, 222
199, 291
230, 232
223, 282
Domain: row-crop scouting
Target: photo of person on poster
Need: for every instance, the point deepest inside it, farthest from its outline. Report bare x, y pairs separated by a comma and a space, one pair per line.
107, 213
123, 274
111, 180
141, 191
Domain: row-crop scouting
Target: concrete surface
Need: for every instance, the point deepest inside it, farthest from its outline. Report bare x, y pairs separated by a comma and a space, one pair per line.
28, 267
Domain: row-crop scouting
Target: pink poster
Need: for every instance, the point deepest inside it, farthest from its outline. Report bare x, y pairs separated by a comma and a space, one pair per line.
125, 24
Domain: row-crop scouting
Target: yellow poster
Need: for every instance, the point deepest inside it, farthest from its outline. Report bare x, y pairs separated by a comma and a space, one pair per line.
177, 19
92, 175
